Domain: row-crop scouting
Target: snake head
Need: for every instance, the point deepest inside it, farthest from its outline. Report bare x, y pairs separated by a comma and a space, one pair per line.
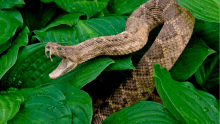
65, 65
53, 49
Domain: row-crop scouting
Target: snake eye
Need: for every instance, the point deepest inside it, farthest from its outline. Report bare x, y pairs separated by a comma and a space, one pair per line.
59, 48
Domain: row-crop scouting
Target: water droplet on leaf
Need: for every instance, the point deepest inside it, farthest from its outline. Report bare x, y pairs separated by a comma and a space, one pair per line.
206, 109
62, 106
50, 107
19, 82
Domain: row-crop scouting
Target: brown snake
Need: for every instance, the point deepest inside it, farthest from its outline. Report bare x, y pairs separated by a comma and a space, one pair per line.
167, 47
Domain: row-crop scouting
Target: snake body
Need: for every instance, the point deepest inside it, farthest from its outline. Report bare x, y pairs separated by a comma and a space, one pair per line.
178, 24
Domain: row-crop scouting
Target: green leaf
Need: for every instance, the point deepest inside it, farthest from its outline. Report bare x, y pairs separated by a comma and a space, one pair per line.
184, 101
47, 13
209, 32
190, 60
46, 1
58, 103
121, 7
10, 102
207, 10
207, 74
5, 46
43, 105
59, 34
89, 7
79, 102
83, 30
8, 59
10, 20
6, 4
121, 63
141, 113
68, 19
217, 1
33, 67
37, 14
99, 27
100, 14
85, 72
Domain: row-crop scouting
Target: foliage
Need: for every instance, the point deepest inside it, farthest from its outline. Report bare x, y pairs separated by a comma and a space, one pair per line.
28, 95
142, 112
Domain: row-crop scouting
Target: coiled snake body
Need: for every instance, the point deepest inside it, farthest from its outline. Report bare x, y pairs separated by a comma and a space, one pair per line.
167, 47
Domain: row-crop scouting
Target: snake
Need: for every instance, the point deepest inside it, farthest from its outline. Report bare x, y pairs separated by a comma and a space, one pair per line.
178, 23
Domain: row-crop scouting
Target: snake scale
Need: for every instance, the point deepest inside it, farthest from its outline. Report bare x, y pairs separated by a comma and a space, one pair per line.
178, 23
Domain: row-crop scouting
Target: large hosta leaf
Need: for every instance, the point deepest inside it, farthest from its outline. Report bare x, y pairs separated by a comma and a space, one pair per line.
83, 30
99, 27
58, 103
190, 60
67, 19
85, 72
10, 102
43, 105
120, 7
121, 63
79, 102
10, 20
61, 34
89, 7
33, 67
209, 32
207, 10
6, 4
143, 112
184, 101
8, 59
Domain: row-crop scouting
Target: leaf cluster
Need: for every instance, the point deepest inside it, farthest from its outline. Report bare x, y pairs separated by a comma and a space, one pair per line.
28, 95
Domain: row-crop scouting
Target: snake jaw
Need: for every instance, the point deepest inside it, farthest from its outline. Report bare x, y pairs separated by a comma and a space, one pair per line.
64, 67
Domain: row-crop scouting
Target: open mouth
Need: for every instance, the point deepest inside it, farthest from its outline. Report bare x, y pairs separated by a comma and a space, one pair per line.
64, 67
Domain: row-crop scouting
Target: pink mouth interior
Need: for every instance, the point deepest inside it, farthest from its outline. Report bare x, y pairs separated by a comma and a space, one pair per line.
64, 67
